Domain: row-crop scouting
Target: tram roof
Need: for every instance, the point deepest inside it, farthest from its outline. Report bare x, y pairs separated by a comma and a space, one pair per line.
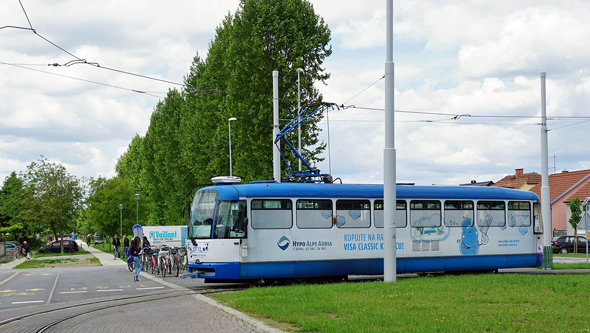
323, 190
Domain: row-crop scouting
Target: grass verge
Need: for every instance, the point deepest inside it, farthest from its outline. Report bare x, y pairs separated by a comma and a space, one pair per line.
465, 303
57, 263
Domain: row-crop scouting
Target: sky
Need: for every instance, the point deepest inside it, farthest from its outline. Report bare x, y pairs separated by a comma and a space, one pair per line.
467, 83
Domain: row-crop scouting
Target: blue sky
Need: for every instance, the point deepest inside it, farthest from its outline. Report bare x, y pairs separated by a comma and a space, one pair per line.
478, 58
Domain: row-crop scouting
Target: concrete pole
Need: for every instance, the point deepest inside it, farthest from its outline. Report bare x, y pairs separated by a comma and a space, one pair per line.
389, 179
545, 196
299, 70
276, 156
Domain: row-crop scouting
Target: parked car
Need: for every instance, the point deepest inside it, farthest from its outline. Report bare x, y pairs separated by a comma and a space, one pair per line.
55, 247
12, 246
98, 240
565, 244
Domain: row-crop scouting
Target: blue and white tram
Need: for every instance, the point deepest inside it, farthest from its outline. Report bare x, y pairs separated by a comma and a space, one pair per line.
270, 230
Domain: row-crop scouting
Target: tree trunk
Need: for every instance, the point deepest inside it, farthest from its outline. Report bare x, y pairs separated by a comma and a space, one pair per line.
575, 240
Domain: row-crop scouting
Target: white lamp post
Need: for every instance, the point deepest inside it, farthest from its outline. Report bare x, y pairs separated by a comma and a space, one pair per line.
299, 70
121, 217
229, 126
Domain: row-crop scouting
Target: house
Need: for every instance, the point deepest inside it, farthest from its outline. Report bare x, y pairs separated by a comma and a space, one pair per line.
563, 187
520, 180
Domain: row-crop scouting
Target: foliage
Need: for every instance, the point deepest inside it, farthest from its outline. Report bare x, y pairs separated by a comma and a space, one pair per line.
465, 303
575, 218
51, 196
11, 220
187, 140
104, 198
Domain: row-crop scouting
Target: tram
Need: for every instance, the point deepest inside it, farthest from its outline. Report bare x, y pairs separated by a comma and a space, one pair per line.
291, 230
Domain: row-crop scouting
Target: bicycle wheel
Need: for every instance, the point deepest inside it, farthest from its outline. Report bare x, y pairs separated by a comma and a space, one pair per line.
18, 255
131, 265
164, 268
176, 268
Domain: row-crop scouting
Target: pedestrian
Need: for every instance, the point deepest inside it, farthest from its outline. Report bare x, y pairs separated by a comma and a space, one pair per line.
125, 245
116, 245
145, 243
88, 240
135, 251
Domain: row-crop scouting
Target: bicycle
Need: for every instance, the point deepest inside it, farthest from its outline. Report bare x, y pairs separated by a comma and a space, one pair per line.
154, 261
175, 261
163, 258
131, 265
146, 259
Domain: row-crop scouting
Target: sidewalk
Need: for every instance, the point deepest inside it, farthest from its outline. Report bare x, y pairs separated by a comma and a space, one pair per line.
106, 259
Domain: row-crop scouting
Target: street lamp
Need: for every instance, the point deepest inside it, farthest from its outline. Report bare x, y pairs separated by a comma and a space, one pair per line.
137, 199
229, 126
299, 70
121, 217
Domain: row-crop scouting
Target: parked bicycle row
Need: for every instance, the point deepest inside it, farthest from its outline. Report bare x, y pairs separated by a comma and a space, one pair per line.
163, 260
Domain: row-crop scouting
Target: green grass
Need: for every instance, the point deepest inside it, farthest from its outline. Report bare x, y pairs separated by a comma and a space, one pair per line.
557, 265
570, 255
104, 248
465, 303
51, 262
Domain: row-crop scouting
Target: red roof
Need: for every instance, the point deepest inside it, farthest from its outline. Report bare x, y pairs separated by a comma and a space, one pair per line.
560, 183
518, 181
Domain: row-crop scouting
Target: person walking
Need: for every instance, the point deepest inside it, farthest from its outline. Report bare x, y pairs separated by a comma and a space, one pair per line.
135, 251
125, 245
116, 245
88, 240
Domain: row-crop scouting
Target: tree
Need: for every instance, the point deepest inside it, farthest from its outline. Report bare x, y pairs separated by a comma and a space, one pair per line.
104, 198
10, 207
575, 219
236, 81
51, 195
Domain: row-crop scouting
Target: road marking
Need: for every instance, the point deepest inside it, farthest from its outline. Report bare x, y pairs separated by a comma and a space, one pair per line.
25, 302
111, 290
10, 277
103, 287
34, 289
73, 292
53, 289
7, 291
150, 288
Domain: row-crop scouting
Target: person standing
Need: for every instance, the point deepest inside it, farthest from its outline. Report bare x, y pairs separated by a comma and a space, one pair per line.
116, 245
125, 245
135, 251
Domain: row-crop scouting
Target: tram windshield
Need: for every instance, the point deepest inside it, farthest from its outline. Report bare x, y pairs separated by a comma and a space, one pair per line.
202, 213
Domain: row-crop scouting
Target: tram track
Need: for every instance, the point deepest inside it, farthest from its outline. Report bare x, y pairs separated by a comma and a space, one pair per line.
57, 316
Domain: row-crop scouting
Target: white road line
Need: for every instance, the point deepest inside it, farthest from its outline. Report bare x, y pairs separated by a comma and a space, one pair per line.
24, 302
150, 288
73, 292
110, 290
53, 289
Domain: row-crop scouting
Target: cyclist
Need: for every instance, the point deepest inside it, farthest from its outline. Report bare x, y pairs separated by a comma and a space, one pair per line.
26, 249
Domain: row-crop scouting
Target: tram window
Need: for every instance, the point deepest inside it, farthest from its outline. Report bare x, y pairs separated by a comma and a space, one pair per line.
425, 213
458, 213
401, 220
491, 214
314, 214
231, 220
519, 213
272, 214
353, 213
538, 223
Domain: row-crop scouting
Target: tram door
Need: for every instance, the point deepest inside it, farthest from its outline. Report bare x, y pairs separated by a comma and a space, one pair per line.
231, 221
